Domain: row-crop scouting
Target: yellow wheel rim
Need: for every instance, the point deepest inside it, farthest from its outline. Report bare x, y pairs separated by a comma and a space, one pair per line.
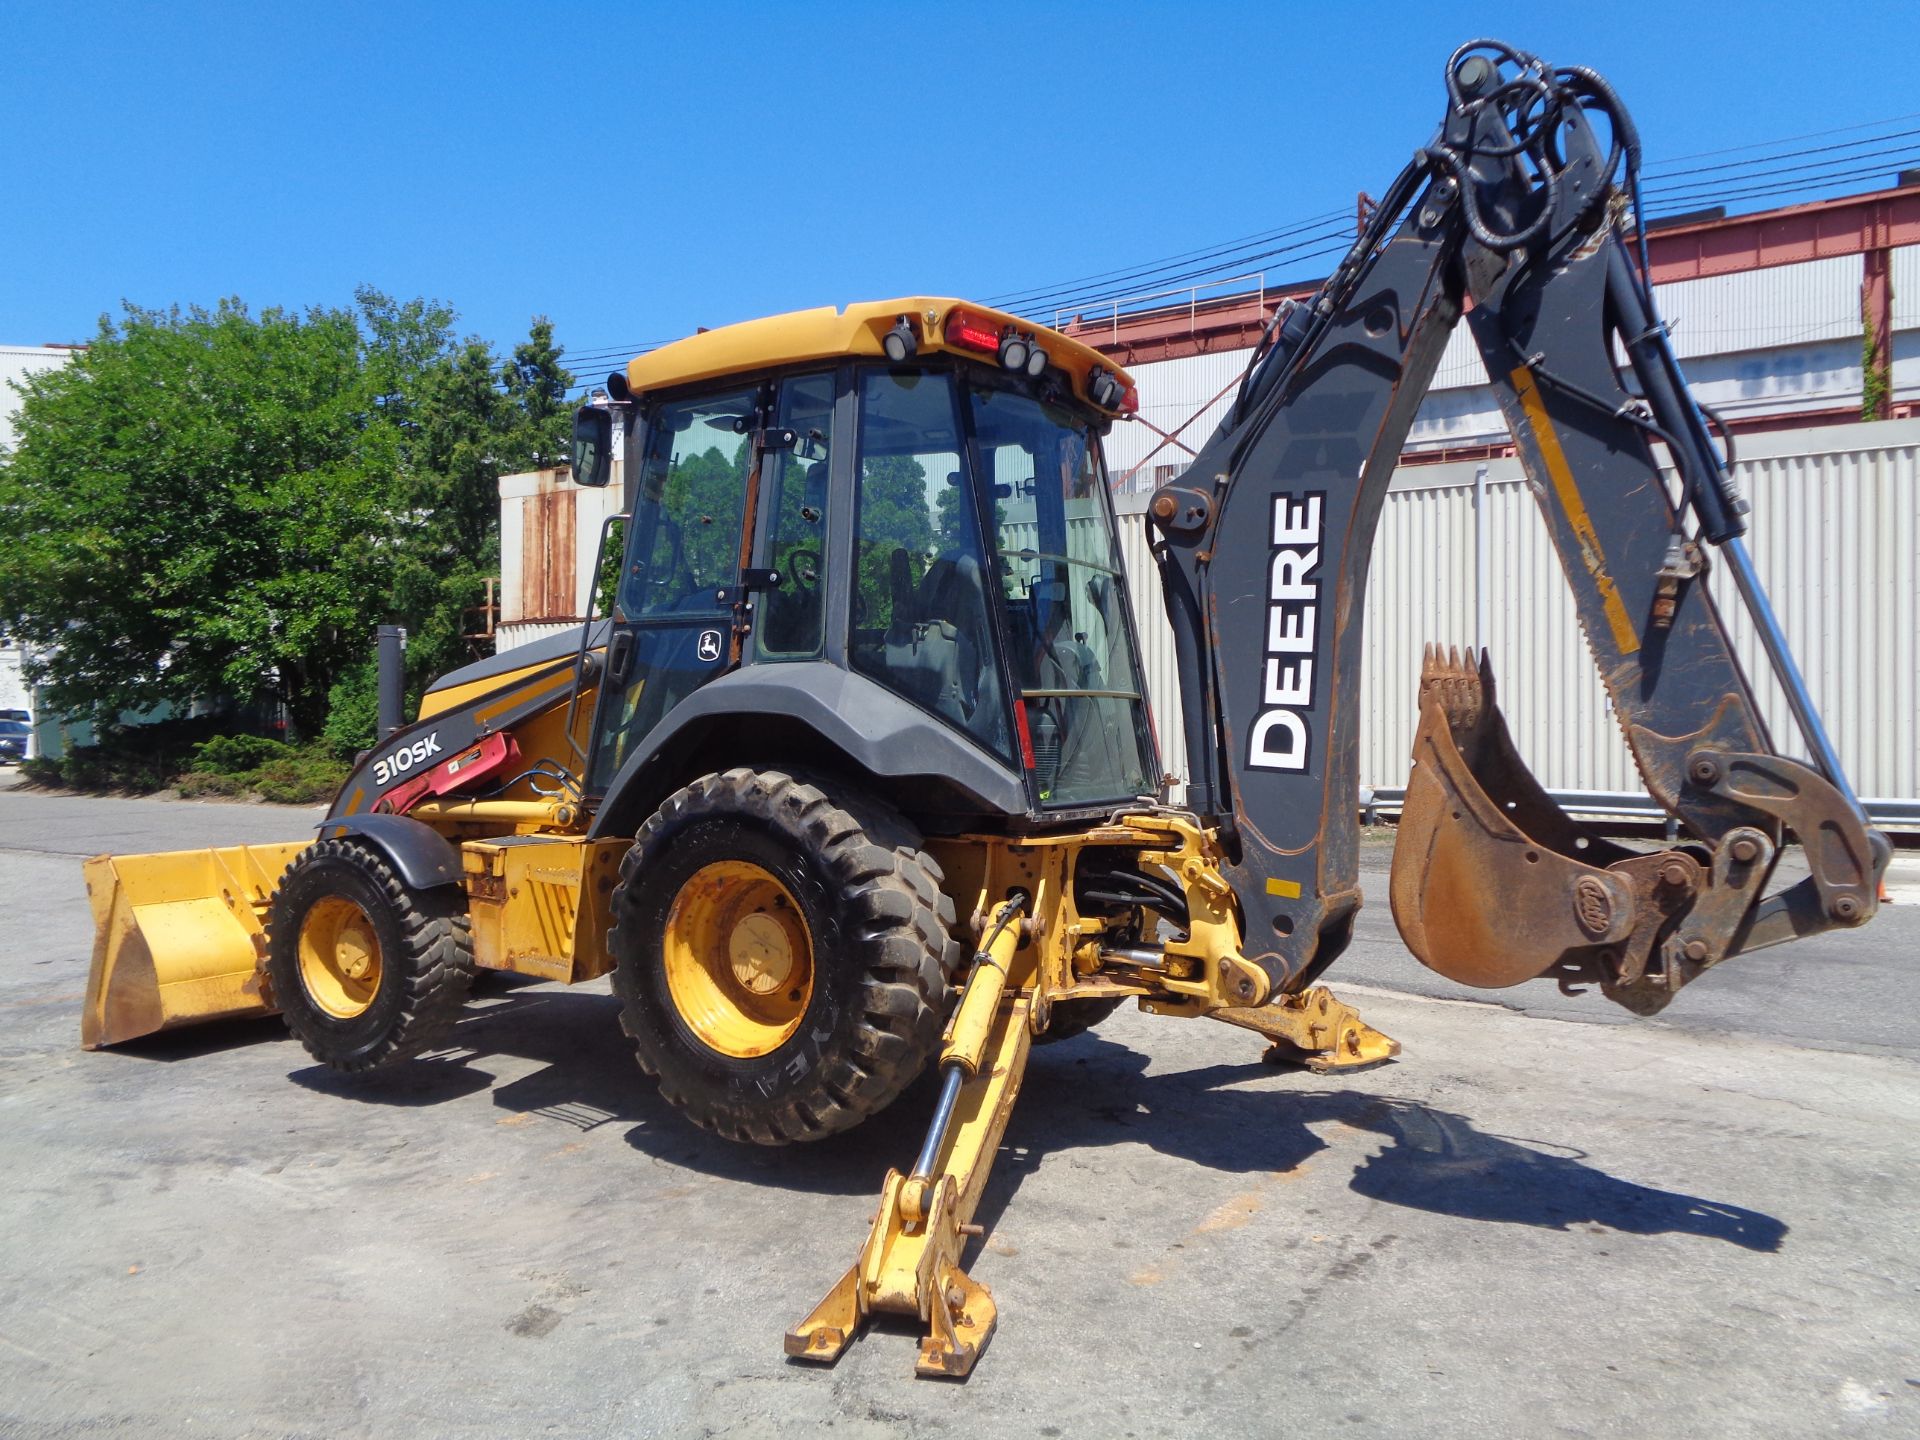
739, 960
339, 957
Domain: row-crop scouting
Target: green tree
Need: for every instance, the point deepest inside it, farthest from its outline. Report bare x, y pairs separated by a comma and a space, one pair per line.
195, 503
469, 420
536, 385
213, 502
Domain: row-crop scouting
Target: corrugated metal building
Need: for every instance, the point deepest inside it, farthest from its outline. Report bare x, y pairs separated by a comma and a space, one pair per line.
1836, 529
1769, 314
1766, 348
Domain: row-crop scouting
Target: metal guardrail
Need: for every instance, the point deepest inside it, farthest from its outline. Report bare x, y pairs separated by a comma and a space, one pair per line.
1133, 307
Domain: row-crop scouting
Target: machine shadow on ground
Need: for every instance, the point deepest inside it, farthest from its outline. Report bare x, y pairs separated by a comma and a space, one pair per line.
1086, 1092
588, 1078
1431, 1159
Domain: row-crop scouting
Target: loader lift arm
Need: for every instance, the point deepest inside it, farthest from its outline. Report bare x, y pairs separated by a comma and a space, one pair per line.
1516, 214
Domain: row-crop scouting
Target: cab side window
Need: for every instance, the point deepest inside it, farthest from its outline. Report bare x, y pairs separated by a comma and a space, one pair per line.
687, 506
792, 623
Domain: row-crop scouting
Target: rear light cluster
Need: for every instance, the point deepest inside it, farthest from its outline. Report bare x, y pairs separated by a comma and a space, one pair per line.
973, 332
1015, 351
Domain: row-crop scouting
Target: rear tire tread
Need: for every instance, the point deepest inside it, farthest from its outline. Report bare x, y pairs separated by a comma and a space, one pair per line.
902, 922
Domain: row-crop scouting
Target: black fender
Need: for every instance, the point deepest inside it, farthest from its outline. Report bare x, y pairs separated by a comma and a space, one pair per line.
889, 743
424, 857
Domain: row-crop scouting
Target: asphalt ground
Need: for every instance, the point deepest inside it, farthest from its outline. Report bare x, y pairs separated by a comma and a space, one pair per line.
1538, 1221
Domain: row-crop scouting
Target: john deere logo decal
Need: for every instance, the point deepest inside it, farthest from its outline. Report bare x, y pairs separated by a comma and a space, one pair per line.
709, 647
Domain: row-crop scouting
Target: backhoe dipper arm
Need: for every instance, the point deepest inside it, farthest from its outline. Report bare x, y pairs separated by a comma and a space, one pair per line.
1512, 214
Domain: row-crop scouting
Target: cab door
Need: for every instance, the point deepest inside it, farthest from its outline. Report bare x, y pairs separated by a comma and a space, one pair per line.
679, 594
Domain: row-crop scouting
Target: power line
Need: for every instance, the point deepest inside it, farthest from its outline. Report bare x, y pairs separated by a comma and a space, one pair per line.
1760, 175
1779, 189
1755, 183
1067, 300
1901, 151
1169, 273
1743, 179
1786, 155
1794, 139
1127, 272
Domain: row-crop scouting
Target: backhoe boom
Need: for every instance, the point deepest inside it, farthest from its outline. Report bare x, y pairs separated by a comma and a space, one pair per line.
1515, 215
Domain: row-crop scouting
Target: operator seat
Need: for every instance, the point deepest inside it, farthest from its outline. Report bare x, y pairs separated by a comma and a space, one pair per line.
938, 648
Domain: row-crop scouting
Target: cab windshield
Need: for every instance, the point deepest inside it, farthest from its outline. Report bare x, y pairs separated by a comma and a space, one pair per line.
1058, 578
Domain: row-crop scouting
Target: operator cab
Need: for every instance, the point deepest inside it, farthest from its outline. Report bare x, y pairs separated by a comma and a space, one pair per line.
910, 492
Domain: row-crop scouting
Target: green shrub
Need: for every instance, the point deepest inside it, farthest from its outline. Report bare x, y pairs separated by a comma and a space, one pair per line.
137, 758
115, 766
204, 784
145, 758
305, 777
237, 754
39, 770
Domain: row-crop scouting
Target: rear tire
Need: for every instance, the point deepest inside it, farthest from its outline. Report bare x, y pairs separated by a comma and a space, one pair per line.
781, 957
365, 969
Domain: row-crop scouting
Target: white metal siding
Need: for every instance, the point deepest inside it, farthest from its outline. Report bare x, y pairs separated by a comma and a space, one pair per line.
1761, 309
1171, 391
1157, 659
506, 637
1836, 526
1460, 364
17, 362
1906, 287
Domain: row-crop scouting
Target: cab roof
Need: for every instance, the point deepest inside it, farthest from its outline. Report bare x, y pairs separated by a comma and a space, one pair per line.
857, 331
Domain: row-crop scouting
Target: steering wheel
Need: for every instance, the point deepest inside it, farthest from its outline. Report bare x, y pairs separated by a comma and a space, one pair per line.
803, 567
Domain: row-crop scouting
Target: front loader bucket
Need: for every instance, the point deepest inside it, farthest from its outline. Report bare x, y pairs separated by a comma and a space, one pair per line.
1493, 884
178, 938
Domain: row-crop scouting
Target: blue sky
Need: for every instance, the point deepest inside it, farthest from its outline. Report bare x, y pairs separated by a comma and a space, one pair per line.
633, 171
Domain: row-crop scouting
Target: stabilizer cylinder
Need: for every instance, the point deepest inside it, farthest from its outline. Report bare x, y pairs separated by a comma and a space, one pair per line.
910, 1264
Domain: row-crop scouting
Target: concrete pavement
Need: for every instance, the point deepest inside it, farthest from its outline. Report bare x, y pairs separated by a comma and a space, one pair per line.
1526, 1226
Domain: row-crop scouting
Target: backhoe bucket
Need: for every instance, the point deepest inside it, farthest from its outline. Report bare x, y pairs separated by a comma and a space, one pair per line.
1492, 883
178, 938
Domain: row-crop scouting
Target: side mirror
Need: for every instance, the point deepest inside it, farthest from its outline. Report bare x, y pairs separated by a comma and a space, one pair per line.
592, 446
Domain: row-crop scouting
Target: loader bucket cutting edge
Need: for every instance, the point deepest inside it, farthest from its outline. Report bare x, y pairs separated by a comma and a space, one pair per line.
178, 938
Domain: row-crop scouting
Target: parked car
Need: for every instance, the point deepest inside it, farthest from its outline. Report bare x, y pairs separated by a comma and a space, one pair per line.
14, 735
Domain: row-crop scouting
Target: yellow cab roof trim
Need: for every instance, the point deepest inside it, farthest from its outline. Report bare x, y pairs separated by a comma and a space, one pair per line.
829, 334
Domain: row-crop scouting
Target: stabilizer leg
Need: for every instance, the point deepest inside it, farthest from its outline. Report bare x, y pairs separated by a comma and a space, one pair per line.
910, 1264
1313, 1029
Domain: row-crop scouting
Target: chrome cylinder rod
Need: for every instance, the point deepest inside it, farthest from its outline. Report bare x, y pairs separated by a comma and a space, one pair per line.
942, 1117
1825, 758
956, 1073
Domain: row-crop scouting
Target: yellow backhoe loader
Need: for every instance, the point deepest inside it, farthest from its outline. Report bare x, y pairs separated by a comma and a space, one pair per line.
857, 777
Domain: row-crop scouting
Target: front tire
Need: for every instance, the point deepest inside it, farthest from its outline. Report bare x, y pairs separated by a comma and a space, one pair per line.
365, 969
782, 956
